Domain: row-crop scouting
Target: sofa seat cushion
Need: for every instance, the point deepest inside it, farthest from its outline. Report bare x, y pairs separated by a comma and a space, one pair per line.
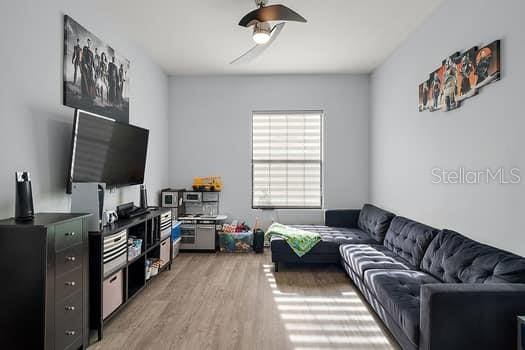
409, 239
363, 257
398, 291
331, 239
339, 235
374, 221
454, 258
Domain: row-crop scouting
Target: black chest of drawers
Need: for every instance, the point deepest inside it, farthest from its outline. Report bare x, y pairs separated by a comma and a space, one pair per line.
44, 264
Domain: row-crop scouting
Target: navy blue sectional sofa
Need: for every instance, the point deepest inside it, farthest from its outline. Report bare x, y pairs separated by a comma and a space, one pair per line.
434, 289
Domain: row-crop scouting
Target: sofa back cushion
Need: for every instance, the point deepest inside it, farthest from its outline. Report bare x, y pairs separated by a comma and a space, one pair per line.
374, 221
409, 239
454, 258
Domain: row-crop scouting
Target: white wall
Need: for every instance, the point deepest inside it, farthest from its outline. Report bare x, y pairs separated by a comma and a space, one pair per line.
36, 127
486, 132
210, 120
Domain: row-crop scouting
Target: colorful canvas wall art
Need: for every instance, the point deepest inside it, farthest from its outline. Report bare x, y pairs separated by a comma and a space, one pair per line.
460, 77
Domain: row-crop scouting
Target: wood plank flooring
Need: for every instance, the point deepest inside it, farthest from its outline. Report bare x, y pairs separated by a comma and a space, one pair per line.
236, 301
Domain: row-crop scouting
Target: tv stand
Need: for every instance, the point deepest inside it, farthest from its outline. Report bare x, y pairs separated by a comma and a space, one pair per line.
128, 278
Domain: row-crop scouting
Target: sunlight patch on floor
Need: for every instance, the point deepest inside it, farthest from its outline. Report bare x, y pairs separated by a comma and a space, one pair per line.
285, 307
322, 300
327, 317
337, 339
332, 327
323, 322
278, 292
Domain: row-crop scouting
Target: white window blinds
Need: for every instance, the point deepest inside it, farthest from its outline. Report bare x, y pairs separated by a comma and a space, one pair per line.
287, 159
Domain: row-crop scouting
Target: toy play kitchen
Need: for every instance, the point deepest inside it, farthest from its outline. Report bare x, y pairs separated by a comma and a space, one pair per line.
198, 214
200, 220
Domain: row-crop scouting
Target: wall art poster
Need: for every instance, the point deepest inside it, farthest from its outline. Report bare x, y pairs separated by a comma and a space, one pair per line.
460, 77
96, 78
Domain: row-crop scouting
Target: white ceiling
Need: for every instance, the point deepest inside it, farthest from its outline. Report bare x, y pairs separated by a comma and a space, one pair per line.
202, 36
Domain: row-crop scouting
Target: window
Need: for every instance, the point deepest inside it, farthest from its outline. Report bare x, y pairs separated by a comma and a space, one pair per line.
287, 160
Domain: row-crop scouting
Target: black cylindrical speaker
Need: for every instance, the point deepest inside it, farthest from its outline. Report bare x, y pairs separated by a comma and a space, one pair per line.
23, 197
258, 241
143, 197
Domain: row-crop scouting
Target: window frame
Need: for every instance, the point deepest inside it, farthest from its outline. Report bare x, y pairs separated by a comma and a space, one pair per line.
321, 161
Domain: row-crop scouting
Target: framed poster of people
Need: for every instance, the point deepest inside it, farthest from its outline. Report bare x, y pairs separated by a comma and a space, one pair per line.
460, 77
96, 78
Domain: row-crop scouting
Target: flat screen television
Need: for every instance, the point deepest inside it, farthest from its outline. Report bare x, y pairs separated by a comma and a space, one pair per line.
107, 151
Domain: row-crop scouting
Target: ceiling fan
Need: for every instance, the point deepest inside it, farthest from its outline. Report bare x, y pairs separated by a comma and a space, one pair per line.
263, 32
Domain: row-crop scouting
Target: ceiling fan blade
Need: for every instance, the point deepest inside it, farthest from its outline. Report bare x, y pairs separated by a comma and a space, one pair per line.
271, 13
258, 49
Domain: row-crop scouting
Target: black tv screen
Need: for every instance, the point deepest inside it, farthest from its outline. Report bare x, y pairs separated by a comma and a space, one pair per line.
107, 151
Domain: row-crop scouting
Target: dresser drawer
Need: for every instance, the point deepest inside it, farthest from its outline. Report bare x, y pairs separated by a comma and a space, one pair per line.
77, 344
69, 259
68, 283
68, 234
68, 310
67, 333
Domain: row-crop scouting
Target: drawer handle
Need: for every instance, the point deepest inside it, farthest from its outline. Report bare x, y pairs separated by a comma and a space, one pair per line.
70, 333
70, 284
71, 234
70, 258
113, 279
70, 308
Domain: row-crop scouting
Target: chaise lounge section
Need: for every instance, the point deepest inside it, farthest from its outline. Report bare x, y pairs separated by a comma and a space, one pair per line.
349, 226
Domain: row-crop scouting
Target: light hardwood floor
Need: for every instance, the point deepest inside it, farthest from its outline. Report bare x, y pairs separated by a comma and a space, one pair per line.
236, 301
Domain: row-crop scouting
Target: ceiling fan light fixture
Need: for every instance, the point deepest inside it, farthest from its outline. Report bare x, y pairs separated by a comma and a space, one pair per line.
264, 33
261, 33
261, 38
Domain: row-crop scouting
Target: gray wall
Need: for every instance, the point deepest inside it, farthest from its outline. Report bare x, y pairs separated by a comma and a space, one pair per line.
486, 132
210, 120
36, 127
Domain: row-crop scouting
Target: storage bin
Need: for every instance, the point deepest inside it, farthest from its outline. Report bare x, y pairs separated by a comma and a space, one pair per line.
115, 252
165, 225
115, 262
238, 242
175, 231
165, 252
165, 233
113, 292
133, 252
134, 248
152, 268
175, 249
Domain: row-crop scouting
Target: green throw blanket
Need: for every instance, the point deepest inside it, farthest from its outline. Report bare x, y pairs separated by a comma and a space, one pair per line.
300, 241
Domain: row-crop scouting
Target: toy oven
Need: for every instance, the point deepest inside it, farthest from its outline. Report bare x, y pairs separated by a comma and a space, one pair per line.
193, 197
